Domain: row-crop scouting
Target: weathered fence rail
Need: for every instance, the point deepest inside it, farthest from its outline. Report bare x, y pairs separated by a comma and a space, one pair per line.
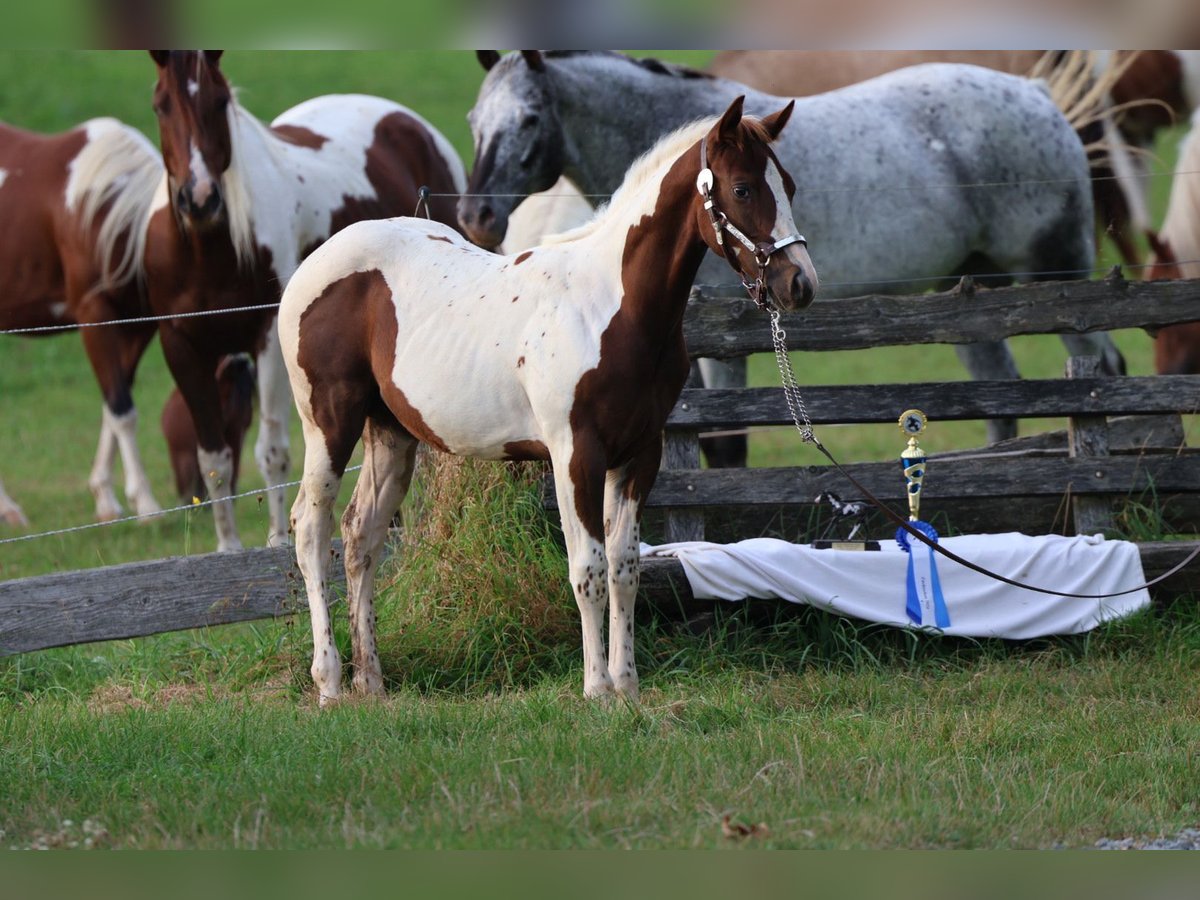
977, 491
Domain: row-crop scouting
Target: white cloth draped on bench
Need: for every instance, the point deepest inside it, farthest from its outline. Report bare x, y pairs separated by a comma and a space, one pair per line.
871, 585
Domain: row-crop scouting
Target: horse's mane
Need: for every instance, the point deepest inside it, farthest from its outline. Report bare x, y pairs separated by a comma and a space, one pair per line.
647, 167
247, 136
120, 169
1181, 227
649, 63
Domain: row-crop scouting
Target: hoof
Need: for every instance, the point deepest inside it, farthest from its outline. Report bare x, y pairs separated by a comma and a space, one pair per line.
14, 517
230, 546
279, 540
148, 508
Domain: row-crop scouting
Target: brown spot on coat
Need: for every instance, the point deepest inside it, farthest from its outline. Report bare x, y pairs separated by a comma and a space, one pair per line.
526, 450
524, 256
300, 136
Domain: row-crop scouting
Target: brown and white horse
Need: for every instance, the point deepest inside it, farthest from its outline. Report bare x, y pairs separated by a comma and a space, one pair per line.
242, 204
1175, 253
401, 331
73, 209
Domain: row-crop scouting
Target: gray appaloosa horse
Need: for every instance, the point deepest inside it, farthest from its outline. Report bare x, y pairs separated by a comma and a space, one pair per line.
906, 181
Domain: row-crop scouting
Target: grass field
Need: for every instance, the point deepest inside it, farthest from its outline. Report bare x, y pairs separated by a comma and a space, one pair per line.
830, 733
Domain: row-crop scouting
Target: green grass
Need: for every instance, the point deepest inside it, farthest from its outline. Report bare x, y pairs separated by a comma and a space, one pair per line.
833, 733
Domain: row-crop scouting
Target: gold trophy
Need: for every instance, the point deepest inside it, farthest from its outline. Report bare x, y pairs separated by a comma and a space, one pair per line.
912, 423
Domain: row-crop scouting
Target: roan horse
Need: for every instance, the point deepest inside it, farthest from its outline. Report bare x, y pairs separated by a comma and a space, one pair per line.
1175, 253
914, 177
241, 205
73, 209
400, 331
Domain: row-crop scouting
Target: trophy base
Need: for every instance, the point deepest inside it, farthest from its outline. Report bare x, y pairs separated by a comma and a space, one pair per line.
845, 545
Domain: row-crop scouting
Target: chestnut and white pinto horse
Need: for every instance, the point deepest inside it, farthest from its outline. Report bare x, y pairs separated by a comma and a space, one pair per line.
931, 172
400, 331
73, 209
241, 205
1175, 253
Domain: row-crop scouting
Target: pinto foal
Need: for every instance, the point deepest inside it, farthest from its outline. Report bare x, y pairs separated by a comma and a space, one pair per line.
400, 331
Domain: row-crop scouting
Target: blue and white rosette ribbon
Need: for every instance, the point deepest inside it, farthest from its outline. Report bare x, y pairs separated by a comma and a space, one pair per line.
925, 603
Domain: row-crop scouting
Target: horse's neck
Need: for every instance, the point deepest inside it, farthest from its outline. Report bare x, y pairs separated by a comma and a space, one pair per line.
613, 110
652, 240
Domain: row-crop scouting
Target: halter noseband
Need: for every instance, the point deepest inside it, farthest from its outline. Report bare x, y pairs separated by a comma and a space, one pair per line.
761, 252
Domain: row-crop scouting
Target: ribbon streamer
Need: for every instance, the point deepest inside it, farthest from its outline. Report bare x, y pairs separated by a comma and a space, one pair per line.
924, 596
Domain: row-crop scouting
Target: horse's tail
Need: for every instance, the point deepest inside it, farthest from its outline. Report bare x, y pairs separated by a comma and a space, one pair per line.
115, 176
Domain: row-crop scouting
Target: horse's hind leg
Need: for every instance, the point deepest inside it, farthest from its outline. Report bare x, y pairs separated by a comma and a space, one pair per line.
312, 519
271, 448
389, 455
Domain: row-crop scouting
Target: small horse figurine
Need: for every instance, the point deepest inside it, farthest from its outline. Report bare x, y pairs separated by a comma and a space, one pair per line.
241, 205
1175, 253
400, 331
909, 179
73, 209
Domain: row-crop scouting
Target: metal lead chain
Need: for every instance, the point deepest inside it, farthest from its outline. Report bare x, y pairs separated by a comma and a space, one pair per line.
791, 390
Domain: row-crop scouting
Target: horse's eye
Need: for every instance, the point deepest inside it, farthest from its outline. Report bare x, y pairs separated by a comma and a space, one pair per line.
162, 107
529, 121
741, 191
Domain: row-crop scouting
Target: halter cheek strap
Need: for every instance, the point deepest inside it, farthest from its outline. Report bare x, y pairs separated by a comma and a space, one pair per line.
720, 222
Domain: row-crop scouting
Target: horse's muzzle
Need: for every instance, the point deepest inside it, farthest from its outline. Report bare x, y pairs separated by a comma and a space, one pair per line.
200, 213
481, 222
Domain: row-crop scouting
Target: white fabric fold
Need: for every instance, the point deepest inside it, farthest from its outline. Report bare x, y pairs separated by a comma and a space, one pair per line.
870, 585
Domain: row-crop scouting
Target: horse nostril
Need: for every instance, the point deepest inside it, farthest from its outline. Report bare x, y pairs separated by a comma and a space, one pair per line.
486, 217
183, 200
802, 289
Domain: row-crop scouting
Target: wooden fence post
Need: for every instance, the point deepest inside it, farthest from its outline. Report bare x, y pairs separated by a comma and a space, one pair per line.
681, 450
1087, 436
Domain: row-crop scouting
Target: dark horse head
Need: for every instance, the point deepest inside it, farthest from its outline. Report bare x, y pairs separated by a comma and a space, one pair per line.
192, 101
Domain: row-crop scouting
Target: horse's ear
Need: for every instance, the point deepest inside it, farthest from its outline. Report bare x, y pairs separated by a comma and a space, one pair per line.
727, 127
774, 123
160, 57
487, 58
534, 59
213, 56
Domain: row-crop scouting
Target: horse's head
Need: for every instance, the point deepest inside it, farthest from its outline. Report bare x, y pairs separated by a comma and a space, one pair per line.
518, 143
752, 192
191, 101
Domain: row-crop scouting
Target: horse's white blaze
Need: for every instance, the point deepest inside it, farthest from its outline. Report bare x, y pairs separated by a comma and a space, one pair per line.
58, 310
3, 177
193, 87
785, 224
202, 180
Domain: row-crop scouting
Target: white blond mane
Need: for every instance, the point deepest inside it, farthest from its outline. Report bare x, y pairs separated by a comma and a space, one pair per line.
120, 169
1181, 228
250, 141
650, 167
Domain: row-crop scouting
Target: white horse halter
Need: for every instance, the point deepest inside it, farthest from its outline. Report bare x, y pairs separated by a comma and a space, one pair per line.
720, 223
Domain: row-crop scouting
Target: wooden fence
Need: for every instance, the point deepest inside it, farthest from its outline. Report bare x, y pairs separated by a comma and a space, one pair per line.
1099, 462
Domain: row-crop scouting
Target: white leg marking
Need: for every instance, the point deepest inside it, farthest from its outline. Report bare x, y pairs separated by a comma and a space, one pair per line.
137, 483
271, 448
622, 533
312, 518
10, 512
589, 581
387, 469
100, 480
217, 471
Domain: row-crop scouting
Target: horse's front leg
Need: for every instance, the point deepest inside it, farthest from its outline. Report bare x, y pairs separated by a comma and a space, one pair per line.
625, 491
579, 475
271, 448
195, 375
